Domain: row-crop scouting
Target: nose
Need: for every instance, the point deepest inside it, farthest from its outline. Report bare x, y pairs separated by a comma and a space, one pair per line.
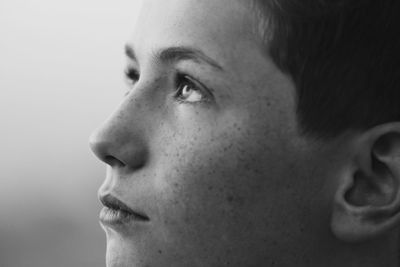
120, 140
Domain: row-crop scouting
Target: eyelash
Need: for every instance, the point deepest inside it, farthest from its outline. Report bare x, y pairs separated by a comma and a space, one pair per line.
132, 76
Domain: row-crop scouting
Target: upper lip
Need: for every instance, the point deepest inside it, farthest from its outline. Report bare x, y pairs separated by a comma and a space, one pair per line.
112, 202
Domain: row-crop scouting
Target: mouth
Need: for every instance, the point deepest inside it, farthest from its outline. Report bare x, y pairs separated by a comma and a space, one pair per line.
116, 212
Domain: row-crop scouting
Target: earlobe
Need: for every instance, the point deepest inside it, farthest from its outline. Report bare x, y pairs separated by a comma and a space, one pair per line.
367, 199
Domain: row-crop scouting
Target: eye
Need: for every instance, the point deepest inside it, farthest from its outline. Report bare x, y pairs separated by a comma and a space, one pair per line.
131, 76
189, 90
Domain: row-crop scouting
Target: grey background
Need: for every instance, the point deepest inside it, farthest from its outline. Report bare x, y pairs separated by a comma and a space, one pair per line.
61, 65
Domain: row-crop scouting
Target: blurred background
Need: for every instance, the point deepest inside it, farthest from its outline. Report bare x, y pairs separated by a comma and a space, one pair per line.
61, 66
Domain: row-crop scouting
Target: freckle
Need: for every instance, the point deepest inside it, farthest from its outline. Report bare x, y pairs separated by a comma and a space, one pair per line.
210, 188
230, 198
159, 251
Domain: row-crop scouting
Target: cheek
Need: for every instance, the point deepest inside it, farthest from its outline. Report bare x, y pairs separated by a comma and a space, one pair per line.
215, 180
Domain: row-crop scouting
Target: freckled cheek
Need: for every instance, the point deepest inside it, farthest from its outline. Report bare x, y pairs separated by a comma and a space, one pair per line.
203, 183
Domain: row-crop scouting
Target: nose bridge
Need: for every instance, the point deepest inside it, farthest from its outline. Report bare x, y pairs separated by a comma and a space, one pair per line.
120, 140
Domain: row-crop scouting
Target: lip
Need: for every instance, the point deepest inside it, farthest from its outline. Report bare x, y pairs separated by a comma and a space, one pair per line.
117, 213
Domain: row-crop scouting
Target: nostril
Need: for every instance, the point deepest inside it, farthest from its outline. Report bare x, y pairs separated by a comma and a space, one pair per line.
102, 148
112, 161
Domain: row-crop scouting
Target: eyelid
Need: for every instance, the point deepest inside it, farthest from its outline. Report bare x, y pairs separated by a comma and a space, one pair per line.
195, 81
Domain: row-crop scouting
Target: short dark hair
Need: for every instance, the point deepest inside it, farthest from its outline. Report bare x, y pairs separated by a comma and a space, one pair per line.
343, 57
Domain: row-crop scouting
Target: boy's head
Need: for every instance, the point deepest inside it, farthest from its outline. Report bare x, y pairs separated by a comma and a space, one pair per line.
258, 133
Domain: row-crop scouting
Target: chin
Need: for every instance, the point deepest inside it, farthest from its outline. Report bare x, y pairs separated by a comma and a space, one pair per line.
120, 253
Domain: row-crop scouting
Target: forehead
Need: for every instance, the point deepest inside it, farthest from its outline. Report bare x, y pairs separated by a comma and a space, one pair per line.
218, 26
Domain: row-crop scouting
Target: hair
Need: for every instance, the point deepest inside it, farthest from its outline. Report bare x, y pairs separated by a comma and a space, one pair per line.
343, 57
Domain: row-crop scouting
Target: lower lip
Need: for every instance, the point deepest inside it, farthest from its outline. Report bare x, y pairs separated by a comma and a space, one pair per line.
114, 217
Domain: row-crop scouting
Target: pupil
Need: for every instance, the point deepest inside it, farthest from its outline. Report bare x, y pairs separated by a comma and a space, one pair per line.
186, 89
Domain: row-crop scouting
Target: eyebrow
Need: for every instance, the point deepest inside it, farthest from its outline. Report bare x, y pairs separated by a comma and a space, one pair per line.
177, 53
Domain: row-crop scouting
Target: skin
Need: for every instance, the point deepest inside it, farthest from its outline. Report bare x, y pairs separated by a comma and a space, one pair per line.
224, 175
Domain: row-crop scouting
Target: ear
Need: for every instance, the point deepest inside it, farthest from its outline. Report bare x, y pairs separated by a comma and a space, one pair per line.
367, 198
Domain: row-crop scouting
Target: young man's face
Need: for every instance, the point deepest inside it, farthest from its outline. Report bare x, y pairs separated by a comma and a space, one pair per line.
205, 145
